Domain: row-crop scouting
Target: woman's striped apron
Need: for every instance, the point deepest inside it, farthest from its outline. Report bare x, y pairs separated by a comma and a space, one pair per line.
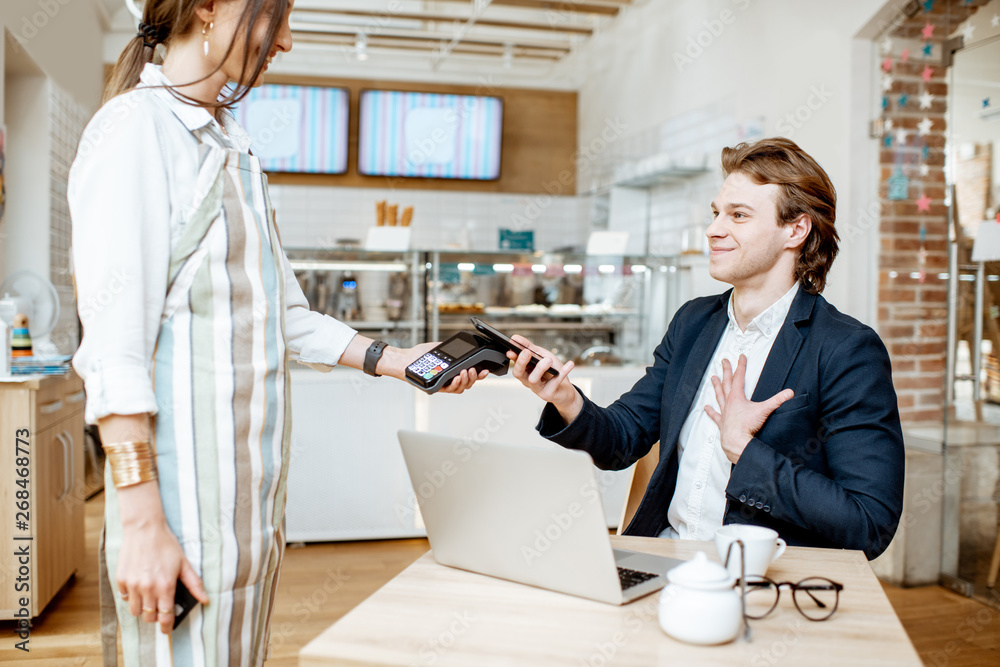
222, 430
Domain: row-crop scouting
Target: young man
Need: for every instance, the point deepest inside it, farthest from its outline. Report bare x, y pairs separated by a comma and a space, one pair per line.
771, 407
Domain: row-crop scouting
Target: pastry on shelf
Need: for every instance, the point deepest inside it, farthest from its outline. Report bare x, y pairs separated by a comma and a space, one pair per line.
461, 308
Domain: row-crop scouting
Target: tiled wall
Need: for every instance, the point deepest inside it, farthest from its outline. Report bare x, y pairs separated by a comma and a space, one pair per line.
679, 214
311, 216
67, 120
677, 210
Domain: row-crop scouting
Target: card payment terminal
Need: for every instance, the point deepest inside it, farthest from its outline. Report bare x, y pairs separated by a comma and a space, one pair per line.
464, 350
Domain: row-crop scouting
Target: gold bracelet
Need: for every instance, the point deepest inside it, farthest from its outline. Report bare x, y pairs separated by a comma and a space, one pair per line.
131, 462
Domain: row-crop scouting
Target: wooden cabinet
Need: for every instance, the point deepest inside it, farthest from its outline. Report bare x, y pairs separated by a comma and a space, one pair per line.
41, 489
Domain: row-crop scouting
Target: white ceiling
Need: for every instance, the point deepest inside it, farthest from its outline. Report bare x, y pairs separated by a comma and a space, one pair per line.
508, 42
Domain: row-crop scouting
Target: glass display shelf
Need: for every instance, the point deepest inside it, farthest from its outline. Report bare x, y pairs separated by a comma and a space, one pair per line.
597, 310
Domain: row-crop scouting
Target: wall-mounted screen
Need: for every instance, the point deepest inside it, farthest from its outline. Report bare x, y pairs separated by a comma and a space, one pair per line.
300, 129
430, 135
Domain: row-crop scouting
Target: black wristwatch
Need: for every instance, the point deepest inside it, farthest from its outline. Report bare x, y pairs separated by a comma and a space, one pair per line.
372, 355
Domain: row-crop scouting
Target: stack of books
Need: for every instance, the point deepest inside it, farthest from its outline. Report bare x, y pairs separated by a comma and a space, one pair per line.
40, 366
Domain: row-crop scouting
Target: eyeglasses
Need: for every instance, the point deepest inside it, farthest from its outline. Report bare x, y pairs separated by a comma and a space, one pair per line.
816, 598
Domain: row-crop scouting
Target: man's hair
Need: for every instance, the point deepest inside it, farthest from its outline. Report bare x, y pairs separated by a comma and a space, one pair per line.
804, 189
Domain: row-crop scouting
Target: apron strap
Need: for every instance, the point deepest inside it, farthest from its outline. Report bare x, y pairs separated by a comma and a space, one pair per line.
109, 616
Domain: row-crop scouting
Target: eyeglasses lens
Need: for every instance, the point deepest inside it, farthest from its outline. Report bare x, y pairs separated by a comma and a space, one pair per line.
761, 597
816, 598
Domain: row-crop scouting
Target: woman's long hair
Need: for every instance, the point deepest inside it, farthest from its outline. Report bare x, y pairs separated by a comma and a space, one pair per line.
163, 19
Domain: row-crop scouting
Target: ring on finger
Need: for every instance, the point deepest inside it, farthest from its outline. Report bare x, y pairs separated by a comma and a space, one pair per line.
147, 610
124, 596
165, 611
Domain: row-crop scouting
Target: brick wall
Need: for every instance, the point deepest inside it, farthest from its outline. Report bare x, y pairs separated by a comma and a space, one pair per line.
913, 257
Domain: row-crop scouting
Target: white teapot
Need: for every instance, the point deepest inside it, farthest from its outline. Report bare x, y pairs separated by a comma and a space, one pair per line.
700, 604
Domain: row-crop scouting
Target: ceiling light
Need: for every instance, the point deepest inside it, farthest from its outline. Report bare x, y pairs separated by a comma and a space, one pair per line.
508, 55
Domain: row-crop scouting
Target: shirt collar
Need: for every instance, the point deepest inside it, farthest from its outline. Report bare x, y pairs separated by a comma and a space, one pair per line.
769, 321
195, 118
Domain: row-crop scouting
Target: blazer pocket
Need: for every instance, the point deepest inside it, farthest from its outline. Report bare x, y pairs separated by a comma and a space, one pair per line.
795, 403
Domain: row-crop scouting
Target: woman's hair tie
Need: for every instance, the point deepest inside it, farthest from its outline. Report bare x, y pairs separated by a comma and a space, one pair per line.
151, 36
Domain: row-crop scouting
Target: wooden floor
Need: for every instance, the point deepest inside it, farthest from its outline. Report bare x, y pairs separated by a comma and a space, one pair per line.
322, 582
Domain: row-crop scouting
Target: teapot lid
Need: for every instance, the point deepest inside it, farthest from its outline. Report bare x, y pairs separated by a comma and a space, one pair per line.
699, 572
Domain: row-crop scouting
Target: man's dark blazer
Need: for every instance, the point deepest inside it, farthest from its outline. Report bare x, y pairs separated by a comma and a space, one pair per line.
825, 470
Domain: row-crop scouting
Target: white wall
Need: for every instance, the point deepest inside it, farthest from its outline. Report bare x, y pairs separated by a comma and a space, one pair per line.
48, 42
763, 61
65, 38
26, 218
316, 216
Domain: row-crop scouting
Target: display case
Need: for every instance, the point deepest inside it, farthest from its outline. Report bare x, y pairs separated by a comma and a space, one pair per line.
378, 293
596, 310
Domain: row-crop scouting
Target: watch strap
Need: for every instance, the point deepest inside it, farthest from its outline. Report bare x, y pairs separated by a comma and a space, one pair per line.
372, 355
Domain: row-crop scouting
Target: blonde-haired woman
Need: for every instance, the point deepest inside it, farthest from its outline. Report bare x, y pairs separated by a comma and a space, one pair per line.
190, 314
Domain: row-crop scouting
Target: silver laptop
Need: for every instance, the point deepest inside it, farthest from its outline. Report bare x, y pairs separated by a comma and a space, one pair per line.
526, 514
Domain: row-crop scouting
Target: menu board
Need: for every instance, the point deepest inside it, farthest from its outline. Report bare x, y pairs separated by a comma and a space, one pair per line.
299, 129
430, 135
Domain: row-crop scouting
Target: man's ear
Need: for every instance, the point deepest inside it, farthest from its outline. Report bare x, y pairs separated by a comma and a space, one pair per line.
799, 231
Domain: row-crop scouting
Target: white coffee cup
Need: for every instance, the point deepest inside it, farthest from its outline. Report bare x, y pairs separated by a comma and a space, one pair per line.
762, 547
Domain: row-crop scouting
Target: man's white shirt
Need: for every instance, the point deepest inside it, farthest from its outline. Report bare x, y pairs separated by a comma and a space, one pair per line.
699, 502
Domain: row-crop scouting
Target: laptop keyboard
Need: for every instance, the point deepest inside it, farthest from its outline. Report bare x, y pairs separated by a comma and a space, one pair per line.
630, 578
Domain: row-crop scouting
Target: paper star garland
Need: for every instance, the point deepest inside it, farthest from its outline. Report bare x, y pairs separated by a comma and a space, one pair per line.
925, 100
889, 124
904, 56
898, 186
924, 170
903, 99
924, 126
928, 6
885, 102
967, 31
995, 21
927, 50
927, 73
886, 45
924, 204
887, 81
928, 30
900, 136
887, 64
986, 102
887, 140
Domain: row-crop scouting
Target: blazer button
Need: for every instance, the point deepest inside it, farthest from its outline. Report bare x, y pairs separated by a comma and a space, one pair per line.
751, 502
760, 505
767, 508
743, 498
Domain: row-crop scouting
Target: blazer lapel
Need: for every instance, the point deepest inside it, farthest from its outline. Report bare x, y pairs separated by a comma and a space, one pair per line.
682, 396
786, 347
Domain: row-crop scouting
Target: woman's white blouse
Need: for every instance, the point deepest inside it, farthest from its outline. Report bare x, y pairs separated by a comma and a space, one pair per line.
130, 192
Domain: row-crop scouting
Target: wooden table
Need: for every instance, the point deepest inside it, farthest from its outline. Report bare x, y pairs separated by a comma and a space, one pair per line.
436, 615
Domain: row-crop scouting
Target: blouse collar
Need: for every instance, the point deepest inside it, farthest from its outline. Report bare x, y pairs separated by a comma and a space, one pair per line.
193, 117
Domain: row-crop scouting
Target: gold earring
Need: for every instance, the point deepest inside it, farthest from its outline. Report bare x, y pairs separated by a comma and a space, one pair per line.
204, 31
